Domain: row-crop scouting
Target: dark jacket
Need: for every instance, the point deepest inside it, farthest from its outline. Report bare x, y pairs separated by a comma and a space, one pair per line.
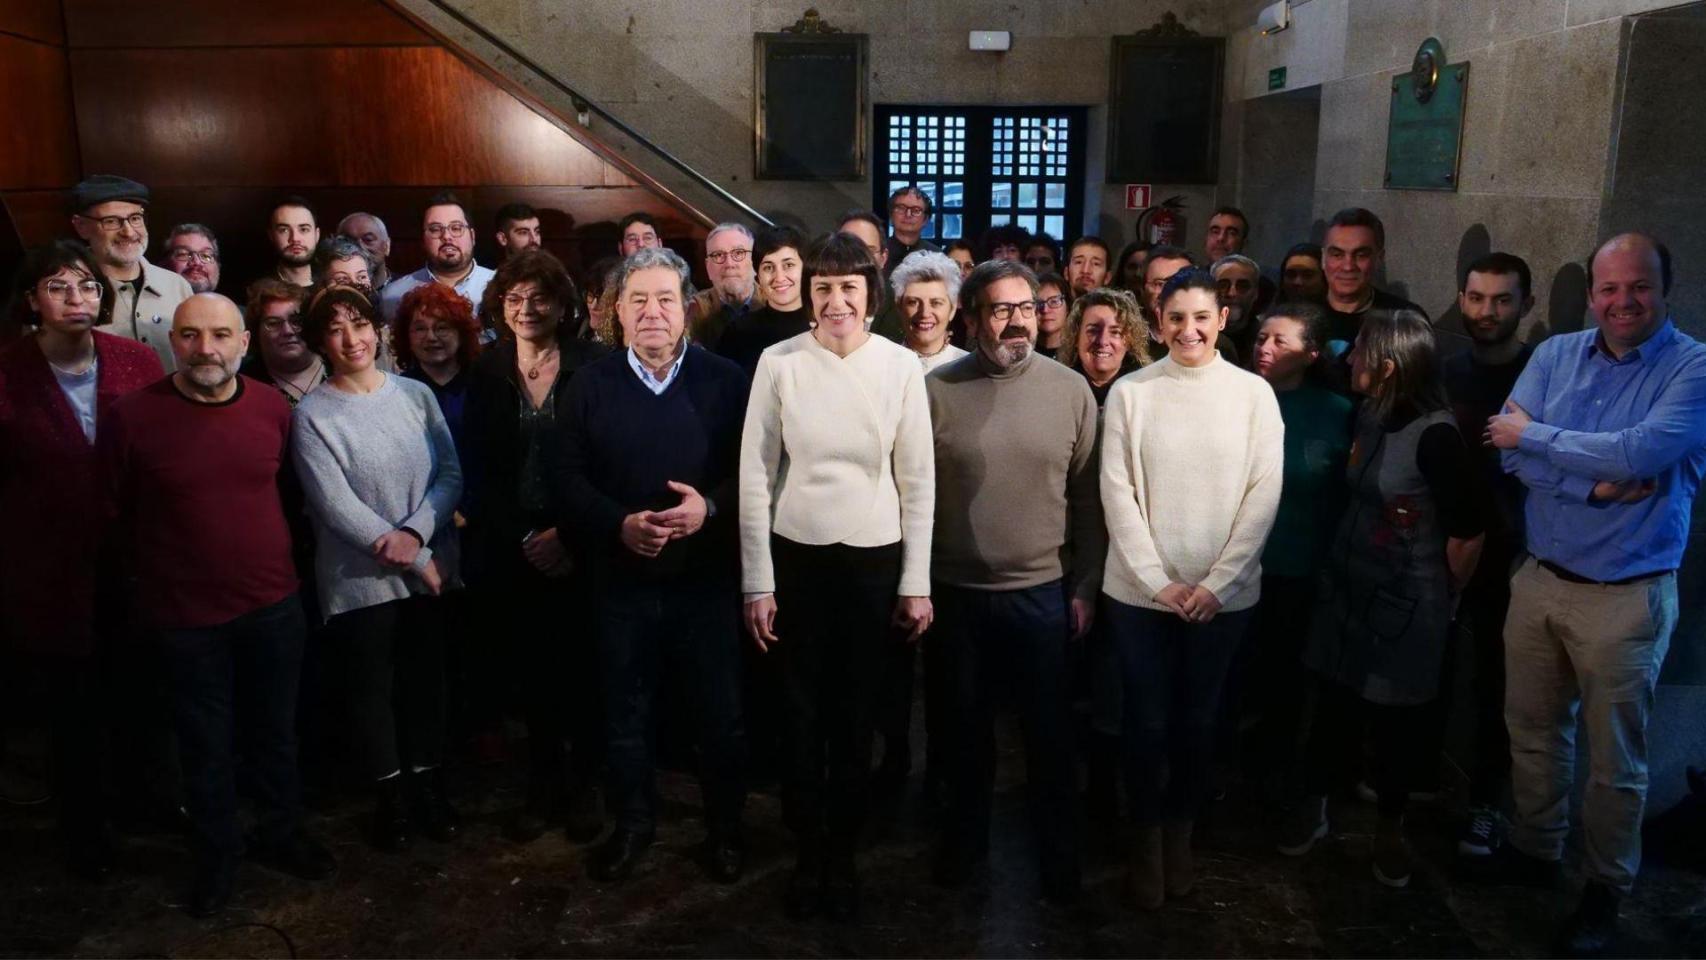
50, 496
493, 451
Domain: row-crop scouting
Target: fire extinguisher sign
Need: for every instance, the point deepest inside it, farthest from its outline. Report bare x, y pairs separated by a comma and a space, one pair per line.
1137, 196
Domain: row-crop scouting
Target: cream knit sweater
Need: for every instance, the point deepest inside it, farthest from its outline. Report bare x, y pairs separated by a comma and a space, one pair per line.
837, 450
1192, 462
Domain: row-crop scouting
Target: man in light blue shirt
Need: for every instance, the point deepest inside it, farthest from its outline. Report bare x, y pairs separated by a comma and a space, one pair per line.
448, 240
1607, 430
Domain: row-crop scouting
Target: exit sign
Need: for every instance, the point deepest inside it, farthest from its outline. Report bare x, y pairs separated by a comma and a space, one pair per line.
1137, 196
1276, 78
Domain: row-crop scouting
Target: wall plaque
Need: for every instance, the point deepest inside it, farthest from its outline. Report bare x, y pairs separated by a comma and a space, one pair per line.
810, 102
1424, 131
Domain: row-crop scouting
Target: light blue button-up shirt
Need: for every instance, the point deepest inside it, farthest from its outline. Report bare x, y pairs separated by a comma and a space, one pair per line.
1598, 417
472, 286
654, 384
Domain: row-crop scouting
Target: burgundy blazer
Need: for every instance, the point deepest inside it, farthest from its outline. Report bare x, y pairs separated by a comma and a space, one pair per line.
50, 498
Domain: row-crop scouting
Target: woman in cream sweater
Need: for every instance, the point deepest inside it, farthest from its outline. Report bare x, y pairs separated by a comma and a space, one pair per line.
1192, 456
837, 496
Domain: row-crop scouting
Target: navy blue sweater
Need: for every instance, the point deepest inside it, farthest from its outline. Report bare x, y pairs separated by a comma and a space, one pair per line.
622, 445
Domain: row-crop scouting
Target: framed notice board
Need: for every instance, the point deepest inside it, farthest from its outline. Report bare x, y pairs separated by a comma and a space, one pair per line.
1164, 106
810, 106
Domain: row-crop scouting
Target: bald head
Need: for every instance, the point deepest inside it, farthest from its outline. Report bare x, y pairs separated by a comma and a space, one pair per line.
1628, 279
209, 340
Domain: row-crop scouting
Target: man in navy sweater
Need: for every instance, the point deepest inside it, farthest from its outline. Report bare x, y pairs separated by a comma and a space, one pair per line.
647, 476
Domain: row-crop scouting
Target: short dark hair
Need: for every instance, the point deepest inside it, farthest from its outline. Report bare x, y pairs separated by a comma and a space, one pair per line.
1006, 234
45, 261
445, 198
638, 216
839, 255
961, 244
1050, 278
293, 200
1663, 251
1044, 240
1230, 211
1091, 240
321, 306
1312, 316
1361, 217
1310, 250
1190, 278
986, 274
540, 268
1167, 251
929, 206
864, 216
1501, 264
512, 213
776, 238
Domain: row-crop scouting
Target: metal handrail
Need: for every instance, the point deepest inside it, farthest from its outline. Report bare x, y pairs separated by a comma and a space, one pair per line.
581, 103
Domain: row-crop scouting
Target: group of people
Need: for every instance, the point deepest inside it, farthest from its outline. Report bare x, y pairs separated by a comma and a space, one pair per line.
1232, 522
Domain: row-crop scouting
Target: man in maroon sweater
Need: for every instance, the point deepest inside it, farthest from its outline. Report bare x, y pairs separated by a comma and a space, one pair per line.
193, 463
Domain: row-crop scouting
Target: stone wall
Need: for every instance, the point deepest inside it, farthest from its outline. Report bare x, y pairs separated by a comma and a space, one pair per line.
681, 73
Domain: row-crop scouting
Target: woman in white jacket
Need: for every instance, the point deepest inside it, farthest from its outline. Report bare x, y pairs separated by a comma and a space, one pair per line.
837, 495
1192, 451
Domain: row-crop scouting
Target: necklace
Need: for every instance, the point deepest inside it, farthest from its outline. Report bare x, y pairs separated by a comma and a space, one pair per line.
539, 361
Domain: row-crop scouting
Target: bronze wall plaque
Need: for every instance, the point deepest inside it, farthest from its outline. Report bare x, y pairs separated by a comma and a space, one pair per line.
1424, 135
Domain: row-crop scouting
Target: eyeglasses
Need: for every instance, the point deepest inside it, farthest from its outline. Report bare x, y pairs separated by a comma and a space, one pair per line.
275, 324
112, 224
737, 255
1006, 311
436, 230
1052, 303
61, 291
185, 255
539, 301
910, 209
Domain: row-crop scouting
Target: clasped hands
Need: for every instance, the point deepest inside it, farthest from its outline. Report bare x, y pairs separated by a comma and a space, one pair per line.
1196, 604
649, 531
399, 548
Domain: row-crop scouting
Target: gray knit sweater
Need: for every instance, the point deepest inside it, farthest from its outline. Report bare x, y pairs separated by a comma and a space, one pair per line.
370, 464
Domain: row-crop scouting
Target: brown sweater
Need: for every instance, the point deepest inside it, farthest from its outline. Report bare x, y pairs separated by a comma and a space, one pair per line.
1017, 499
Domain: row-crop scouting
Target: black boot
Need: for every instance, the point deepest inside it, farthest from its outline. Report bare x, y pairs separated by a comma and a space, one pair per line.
438, 819
803, 897
390, 830
544, 807
841, 886
583, 819
614, 859
1591, 928
215, 878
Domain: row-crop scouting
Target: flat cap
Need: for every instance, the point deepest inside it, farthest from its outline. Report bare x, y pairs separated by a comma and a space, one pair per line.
104, 188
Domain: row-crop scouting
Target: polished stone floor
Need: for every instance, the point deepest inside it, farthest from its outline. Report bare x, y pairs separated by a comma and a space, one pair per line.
484, 896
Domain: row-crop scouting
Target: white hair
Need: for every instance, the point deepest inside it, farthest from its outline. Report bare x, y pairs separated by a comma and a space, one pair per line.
729, 227
925, 266
1232, 258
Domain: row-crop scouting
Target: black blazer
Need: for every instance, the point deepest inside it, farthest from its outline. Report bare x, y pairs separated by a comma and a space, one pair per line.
491, 462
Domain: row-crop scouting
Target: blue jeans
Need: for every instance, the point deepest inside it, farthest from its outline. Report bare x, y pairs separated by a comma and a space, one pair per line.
1009, 644
691, 626
1174, 672
238, 681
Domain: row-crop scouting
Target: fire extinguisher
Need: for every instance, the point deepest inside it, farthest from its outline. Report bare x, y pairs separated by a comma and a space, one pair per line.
1163, 224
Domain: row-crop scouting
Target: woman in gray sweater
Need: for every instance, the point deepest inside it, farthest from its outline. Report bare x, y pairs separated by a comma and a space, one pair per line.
382, 480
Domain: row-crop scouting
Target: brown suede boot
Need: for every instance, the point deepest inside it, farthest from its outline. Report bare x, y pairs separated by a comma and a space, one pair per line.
1148, 886
1180, 866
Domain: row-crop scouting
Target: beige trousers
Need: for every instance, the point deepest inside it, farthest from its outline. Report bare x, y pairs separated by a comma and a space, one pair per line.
1594, 650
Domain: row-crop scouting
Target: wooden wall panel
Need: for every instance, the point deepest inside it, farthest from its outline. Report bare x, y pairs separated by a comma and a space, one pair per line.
38, 146
33, 19
223, 23
314, 117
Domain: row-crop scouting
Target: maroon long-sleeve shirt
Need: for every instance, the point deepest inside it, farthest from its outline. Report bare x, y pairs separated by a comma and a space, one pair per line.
195, 490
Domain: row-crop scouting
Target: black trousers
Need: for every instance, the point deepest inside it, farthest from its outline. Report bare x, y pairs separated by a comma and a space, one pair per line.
1485, 603
68, 696
395, 681
552, 662
834, 605
1269, 683
690, 627
236, 683
1399, 735
1010, 645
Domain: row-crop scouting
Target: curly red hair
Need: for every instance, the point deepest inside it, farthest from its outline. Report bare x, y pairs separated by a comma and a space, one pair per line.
438, 300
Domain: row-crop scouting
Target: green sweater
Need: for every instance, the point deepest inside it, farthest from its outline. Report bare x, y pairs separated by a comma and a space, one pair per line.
1317, 441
